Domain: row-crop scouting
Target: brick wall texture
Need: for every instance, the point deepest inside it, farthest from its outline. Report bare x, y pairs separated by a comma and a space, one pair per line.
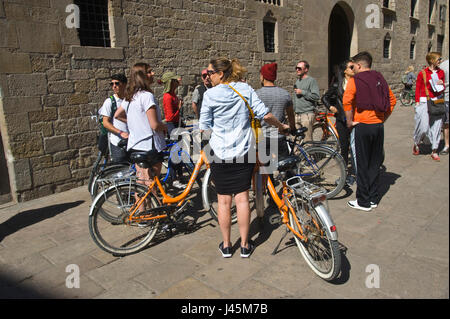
51, 86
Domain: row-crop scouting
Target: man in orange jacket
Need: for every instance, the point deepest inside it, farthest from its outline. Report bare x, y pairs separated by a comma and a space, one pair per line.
368, 102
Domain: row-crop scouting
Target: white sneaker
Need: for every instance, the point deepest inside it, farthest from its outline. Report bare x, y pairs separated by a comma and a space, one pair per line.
373, 205
179, 185
354, 204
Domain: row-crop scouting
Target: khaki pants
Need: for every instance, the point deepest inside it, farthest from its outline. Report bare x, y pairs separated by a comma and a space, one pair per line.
305, 120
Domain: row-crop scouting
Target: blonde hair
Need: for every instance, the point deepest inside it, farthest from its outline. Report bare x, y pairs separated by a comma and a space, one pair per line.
409, 69
232, 70
432, 57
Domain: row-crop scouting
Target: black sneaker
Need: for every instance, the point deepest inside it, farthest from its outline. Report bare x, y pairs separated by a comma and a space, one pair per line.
246, 252
226, 252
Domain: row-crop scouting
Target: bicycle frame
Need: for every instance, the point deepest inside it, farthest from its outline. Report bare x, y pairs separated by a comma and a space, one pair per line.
166, 198
324, 116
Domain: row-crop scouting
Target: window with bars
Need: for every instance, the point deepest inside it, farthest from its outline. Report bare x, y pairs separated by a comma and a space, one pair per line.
440, 43
269, 36
94, 26
412, 50
388, 21
413, 12
387, 47
431, 6
274, 2
413, 28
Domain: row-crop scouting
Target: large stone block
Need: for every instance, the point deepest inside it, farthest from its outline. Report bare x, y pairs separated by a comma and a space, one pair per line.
51, 175
39, 37
27, 84
29, 147
22, 174
81, 140
61, 87
55, 144
83, 53
17, 123
9, 35
14, 105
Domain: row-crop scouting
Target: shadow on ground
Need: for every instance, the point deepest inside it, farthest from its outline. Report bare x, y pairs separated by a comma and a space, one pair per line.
33, 216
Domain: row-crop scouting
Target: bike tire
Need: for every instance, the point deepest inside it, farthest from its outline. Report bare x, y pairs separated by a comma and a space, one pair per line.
321, 253
325, 135
209, 197
118, 237
323, 167
405, 98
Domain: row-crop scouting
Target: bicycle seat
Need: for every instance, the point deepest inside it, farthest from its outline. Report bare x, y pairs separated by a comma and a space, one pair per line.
145, 159
288, 163
300, 131
123, 144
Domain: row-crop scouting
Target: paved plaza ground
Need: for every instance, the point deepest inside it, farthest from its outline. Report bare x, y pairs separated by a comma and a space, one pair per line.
406, 238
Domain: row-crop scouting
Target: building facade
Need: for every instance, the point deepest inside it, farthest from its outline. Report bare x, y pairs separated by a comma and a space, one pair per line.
56, 60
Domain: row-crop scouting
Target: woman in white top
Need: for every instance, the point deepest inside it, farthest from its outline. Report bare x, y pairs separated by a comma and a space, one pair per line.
226, 115
143, 116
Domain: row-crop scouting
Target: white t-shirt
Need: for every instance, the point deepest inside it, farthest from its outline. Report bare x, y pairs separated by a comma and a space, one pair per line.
141, 133
105, 110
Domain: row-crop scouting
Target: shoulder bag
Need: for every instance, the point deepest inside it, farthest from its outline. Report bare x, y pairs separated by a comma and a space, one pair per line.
254, 122
436, 108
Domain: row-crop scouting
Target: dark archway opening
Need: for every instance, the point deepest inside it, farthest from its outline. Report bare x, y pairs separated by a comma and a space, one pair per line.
339, 39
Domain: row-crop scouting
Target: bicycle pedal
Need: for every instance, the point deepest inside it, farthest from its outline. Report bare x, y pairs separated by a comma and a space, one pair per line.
275, 219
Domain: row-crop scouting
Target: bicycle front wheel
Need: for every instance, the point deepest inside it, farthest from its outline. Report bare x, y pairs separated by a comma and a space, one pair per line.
324, 167
320, 252
119, 236
209, 197
322, 133
405, 98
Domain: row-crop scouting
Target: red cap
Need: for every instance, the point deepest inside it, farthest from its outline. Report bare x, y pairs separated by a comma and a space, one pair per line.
269, 71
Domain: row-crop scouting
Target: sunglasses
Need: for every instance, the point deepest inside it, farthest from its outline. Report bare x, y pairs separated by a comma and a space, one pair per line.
204, 76
211, 72
298, 68
351, 67
114, 83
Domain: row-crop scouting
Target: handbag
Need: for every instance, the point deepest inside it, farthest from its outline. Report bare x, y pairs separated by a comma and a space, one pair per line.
254, 122
437, 107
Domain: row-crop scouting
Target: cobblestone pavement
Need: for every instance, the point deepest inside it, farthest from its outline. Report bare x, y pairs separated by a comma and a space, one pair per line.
406, 238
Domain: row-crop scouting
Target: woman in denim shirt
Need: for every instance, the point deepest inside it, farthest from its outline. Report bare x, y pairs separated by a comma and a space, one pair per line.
224, 113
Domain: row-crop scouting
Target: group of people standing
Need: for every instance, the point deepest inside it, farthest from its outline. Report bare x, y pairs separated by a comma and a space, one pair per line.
220, 106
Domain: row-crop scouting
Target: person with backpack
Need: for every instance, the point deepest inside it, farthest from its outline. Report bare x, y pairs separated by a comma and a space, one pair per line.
368, 102
113, 129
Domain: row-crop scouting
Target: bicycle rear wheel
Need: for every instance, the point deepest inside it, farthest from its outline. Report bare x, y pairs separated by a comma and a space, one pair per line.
209, 196
405, 98
322, 133
105, 177
117, 235
323, 167
320, 252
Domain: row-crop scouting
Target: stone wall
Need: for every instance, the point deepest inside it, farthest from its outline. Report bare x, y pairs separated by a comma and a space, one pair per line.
51, 86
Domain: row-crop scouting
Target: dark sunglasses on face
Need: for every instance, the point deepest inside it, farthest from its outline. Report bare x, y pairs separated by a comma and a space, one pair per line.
204, 76
351, 67
298, 68
114, 83
211, 72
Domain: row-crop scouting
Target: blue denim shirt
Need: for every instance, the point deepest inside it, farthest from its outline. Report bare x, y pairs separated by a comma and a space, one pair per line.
225, 113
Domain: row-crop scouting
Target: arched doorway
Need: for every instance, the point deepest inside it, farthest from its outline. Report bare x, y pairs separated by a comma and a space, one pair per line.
341, 36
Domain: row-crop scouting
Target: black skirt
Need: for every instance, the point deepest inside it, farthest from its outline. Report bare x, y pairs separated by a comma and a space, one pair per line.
232, 178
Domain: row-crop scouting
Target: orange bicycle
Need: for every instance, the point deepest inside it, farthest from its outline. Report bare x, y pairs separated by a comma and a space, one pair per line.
303, 209
324, 130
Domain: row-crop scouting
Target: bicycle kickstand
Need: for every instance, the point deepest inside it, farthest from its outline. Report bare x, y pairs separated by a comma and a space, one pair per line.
276, 248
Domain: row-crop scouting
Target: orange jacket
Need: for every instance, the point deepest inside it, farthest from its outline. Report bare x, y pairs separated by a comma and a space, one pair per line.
364, 116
